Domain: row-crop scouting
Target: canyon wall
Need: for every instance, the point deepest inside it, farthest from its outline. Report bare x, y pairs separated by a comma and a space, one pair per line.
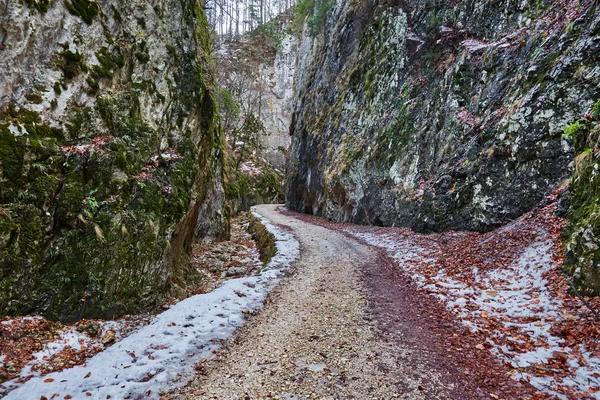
110, 154
436, 115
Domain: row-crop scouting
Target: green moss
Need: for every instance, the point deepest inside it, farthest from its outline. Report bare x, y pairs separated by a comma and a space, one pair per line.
88, 230
142, 57
116, 14
40, 5
34, 98
571, 131
99, 72
269, 186
595, 114
71, 64
57, 88
21, 115
582, 233
85, 9
171, 50
93, 85
264, 240
109, 62
12, 153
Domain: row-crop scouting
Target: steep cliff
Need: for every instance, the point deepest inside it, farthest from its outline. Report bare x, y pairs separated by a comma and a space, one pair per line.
255, 75
436, 115
582, 234
279, 99
110, 153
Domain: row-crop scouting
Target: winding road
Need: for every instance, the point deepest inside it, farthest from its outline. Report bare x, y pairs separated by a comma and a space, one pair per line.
334, 329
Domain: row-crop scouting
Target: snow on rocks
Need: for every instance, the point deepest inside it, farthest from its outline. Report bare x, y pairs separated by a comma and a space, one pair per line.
249, 168
506, 286
163, 354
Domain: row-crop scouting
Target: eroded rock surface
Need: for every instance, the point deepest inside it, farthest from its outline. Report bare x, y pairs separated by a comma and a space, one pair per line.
437, 116
110, 153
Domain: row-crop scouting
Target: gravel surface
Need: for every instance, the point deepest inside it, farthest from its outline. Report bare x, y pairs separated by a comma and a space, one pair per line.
315, 338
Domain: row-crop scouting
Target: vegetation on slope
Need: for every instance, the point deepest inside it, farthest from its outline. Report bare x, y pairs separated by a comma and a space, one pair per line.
582, 234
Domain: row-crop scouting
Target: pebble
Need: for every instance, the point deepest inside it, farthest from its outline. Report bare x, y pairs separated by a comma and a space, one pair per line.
233, 271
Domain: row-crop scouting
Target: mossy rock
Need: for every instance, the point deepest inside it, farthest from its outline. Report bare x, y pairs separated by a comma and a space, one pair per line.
582, 233
71, 64
85, 9
40, 5
263, 238
95, 218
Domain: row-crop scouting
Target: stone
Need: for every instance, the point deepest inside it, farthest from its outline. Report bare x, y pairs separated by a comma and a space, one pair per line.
10, 367
91, 328
215, 266
108, 338
234, 271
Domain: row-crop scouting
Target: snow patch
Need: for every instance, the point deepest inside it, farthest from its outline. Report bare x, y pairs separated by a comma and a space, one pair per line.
517, 297
162, 355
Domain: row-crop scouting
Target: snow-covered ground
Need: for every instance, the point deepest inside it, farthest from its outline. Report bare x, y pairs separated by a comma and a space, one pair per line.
163, 354
513, 305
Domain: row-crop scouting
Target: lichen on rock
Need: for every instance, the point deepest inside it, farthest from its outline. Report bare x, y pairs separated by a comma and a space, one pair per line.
439, 117
109, 150
582, 234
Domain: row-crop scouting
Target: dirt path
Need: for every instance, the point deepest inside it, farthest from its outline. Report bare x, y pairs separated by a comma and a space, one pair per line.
314, 339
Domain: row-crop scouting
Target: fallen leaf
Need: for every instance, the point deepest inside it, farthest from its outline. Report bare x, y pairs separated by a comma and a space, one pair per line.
87, 375
48, 380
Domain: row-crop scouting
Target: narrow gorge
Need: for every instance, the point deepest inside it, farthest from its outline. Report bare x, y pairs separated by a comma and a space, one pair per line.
439, 117
295, 199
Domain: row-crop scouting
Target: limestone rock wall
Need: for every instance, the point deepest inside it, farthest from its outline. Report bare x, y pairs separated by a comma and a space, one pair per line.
110, 153
437, 115
582, 233
279, 101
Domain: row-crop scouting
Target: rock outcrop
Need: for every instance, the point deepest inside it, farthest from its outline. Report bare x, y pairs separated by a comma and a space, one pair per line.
439, 116
582, 234
110, 153
279, 100
255, 75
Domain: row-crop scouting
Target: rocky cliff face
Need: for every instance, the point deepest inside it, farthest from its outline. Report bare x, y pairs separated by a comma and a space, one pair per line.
110, 153
277, 114
438, 115
258, 71
582, 234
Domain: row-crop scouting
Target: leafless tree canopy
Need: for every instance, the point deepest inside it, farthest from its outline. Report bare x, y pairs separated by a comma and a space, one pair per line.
235, 17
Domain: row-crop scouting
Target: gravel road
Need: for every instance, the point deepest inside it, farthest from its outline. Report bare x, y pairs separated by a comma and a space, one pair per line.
316, 338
